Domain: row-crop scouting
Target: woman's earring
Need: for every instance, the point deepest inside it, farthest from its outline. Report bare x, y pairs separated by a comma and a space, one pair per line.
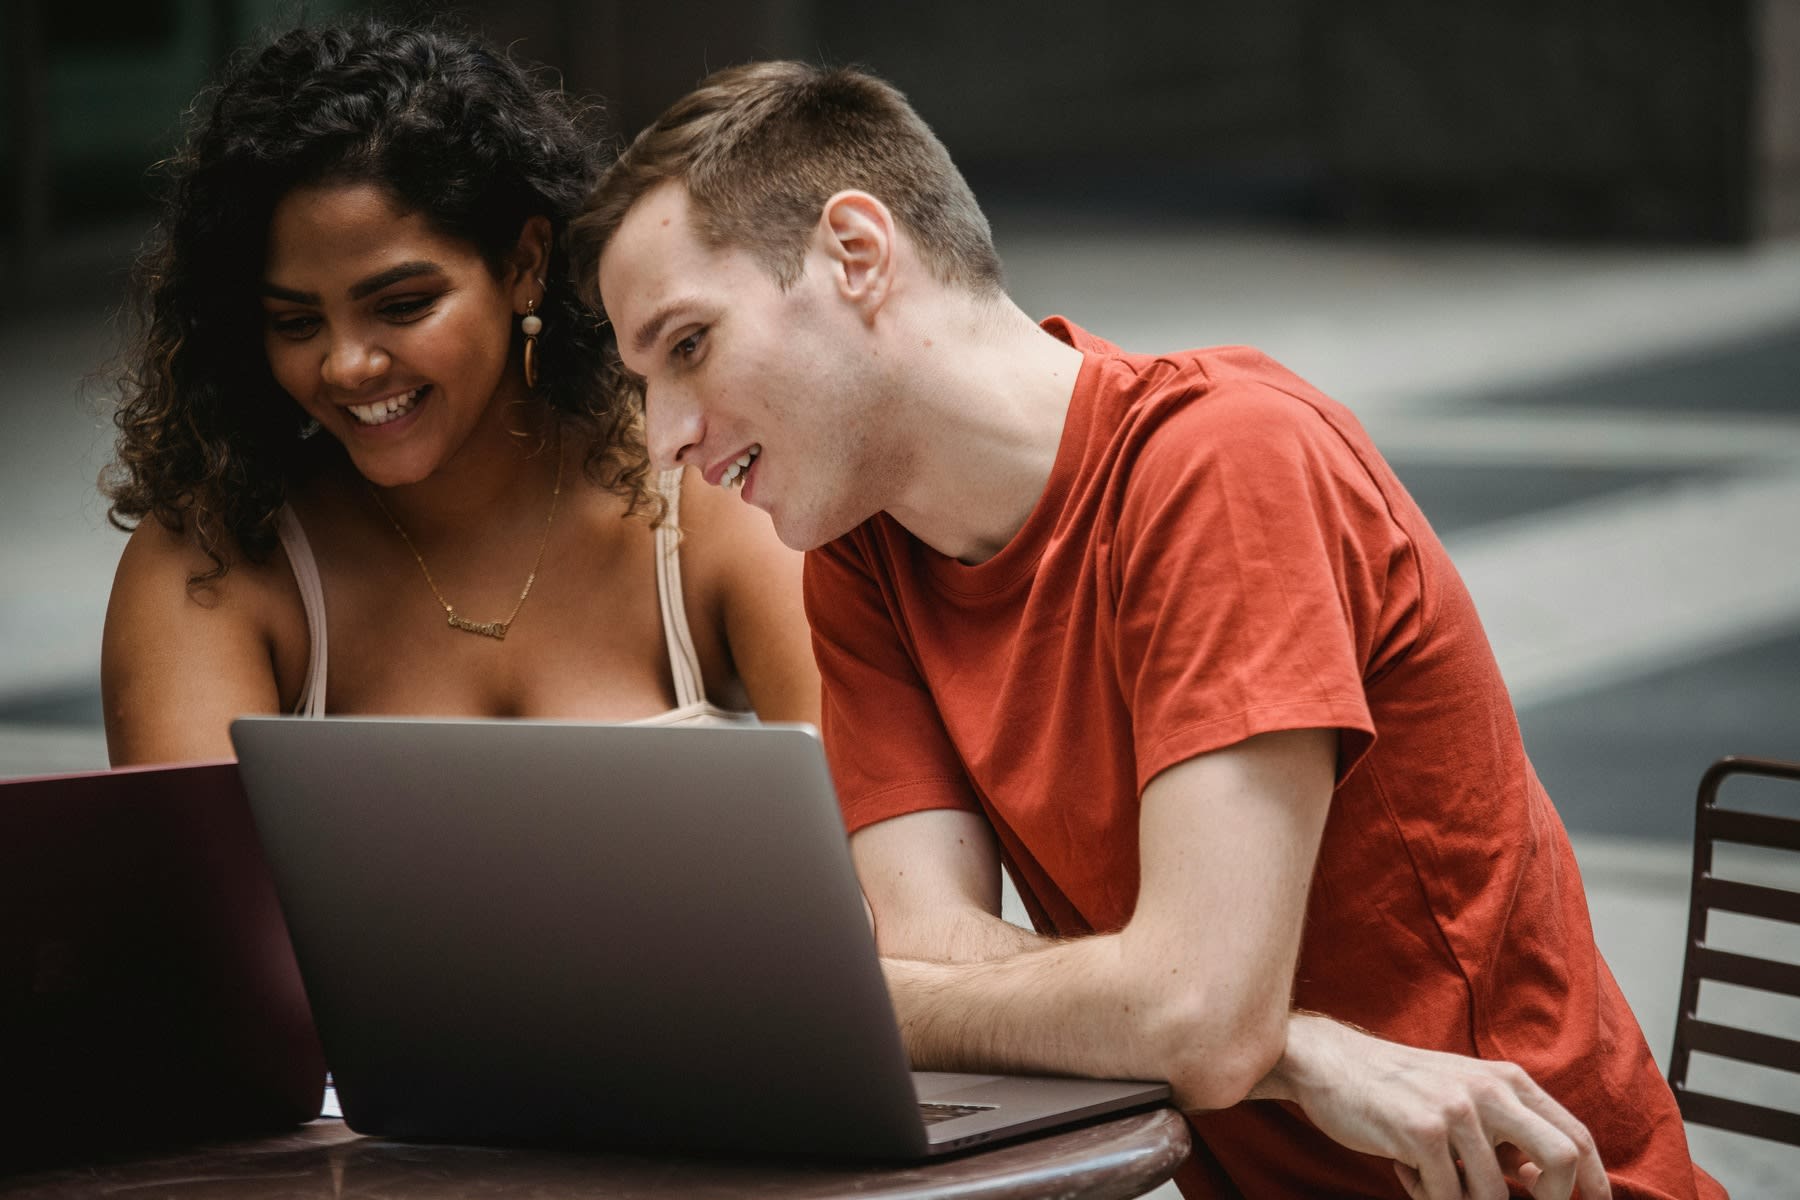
531, 325
309, 427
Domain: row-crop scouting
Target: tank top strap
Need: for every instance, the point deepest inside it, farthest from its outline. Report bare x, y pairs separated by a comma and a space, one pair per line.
312, 597
684, 663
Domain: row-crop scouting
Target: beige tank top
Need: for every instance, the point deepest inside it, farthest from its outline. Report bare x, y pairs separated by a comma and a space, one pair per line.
691, 705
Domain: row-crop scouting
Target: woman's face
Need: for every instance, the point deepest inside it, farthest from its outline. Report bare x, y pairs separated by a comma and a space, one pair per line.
393, 336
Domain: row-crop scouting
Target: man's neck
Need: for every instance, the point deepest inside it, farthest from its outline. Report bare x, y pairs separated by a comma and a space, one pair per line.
989, 392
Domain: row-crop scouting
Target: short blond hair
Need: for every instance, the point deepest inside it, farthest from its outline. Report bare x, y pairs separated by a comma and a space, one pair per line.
760, 148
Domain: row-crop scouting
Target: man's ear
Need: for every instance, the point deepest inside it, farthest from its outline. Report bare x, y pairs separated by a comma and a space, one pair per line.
529, 263
857, 234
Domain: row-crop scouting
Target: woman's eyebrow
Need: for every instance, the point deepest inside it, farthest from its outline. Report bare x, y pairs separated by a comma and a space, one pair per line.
361, 289
393, 275
277, 292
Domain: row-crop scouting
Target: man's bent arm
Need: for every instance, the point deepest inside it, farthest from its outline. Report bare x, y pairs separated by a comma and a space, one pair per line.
1195, 988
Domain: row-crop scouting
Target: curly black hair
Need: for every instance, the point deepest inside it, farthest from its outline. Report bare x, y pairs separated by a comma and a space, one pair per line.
455, 131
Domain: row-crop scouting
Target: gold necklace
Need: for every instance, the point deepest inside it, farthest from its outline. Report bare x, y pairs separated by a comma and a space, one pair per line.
494, 629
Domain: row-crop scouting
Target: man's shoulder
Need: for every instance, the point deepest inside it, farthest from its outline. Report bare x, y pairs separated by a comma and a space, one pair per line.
1219, 383
1226, 422
1219, 397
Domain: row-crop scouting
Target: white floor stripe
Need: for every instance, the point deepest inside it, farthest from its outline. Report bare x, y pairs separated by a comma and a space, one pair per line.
1588, 439
1587, 596
1400, 323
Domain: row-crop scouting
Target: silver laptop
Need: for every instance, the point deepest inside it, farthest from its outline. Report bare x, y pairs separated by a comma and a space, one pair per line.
551, 932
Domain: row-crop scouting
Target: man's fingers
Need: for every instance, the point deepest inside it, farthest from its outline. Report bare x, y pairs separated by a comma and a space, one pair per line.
1591, 1175
1438, 1177
1482, 1176
1590, 1172
1409, 1179
1547, 1148
1583, 1167
1515, 1164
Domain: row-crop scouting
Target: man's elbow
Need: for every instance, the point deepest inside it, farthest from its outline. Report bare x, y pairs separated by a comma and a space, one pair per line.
1219, 1047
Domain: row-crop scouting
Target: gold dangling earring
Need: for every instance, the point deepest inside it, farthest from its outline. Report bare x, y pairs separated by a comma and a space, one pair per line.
531, 325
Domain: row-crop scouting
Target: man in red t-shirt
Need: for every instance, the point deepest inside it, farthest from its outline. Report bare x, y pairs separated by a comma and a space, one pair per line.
1163, 634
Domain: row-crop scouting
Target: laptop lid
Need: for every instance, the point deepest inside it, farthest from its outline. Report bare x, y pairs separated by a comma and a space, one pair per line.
147, 986
563, 932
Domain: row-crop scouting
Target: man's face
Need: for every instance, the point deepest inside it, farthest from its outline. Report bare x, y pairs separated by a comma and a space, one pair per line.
765, 391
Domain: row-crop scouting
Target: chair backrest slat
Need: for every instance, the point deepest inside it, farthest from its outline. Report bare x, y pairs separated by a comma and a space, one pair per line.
1750, 829
1740, 1115
1745, 1045
1745, 970
1703, 962
1754, 900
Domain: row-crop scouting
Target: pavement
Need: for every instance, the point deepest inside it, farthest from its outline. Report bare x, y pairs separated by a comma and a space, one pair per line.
1607, 438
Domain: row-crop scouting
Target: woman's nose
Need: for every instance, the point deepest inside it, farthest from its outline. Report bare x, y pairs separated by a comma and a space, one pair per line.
351, 361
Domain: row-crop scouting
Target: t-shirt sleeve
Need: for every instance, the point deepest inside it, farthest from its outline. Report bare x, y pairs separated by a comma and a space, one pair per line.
886, 745
1251, 559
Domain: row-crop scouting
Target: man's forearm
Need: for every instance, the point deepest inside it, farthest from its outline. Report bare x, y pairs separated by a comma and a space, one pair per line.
969, 937
1064, 1013
1075, 1007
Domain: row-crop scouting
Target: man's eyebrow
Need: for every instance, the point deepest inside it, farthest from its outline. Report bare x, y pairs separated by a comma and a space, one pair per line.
650, 330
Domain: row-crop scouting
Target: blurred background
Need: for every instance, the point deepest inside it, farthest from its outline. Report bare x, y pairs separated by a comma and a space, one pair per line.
1550, 253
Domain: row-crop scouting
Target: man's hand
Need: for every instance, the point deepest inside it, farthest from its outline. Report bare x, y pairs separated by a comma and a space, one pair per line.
1453, 1126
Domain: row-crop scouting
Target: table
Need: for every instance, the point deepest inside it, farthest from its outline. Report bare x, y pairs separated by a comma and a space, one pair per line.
1124, 1156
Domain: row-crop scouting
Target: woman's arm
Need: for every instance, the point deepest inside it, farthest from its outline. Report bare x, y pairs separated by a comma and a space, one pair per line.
176, 666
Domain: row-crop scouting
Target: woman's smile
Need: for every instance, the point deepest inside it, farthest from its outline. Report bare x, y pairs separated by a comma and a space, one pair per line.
388, 409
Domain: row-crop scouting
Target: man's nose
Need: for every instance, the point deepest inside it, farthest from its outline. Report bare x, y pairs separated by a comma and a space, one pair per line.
672, 427
351, 361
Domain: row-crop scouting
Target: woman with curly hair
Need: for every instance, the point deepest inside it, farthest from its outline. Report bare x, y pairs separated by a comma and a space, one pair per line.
372, 448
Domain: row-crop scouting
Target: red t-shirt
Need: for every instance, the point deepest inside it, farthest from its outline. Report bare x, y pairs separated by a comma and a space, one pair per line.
1220, 552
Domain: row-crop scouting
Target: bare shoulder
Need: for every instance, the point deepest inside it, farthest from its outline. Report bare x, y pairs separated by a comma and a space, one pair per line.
722, 535
157, 573
179, 659
737, 571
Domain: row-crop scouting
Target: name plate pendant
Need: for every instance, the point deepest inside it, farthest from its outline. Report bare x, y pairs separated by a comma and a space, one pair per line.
493, 629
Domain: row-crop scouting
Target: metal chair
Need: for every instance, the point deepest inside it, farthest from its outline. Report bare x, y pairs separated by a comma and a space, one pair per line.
1694, 1035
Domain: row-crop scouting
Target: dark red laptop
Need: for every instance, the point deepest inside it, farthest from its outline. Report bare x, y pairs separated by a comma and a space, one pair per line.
148, 991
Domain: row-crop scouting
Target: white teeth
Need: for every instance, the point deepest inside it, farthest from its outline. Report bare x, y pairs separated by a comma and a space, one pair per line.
741, 464
383, 411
